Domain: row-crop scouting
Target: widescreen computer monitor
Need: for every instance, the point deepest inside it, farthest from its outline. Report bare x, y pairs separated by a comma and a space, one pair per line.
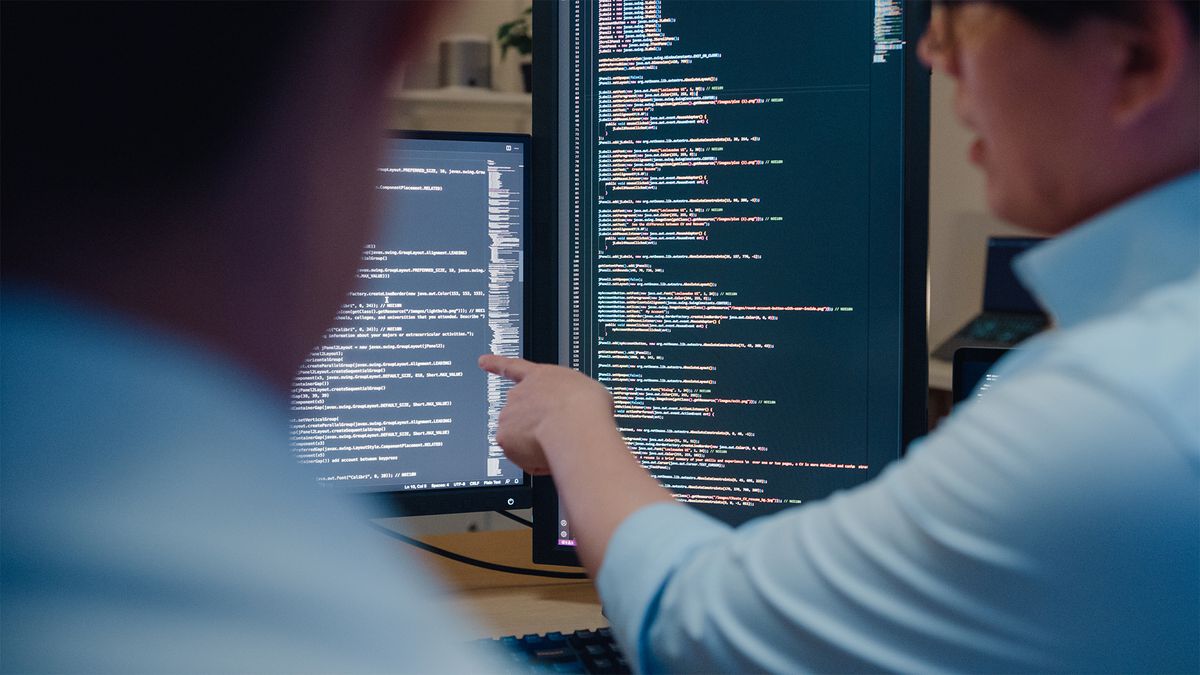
391, 405
741, 189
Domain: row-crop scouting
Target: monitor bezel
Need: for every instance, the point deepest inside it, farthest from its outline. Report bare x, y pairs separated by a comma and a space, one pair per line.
914, 348
383, 504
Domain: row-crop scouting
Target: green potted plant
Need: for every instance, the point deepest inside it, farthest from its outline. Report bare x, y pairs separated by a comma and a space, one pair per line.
518, 34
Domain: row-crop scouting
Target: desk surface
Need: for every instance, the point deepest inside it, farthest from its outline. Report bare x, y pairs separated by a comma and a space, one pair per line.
510, 604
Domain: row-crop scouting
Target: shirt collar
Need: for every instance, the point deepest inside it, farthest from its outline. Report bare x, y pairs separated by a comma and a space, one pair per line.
1112, 259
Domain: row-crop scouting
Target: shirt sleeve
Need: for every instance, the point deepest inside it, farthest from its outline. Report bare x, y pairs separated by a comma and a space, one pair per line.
1052, 528
644, 552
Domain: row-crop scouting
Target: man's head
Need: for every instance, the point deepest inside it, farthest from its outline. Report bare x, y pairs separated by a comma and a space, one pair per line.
208, 167
1077, 105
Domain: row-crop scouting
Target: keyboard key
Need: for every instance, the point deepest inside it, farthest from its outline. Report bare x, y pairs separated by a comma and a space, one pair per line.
581, 651
532, 641
556, 654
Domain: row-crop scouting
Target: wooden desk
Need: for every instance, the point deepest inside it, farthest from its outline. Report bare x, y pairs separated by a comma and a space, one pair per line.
510, 604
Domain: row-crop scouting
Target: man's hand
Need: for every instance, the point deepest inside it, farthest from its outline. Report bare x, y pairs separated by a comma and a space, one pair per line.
550, 405
558, 419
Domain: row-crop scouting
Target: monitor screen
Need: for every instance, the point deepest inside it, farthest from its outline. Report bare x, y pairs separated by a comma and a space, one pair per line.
742, 211
391, 404
972, 377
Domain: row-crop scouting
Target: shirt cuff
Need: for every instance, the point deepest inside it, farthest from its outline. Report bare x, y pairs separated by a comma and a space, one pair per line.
641, 556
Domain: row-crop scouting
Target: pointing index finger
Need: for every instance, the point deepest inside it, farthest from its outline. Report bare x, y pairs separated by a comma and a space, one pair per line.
513, 369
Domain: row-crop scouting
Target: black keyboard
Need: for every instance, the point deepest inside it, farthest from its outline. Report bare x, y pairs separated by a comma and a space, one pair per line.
584, 651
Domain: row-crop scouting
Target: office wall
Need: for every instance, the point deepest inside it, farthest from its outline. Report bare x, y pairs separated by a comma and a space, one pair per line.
466, 17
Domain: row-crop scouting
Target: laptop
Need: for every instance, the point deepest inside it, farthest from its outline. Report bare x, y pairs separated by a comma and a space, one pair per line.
1010, 314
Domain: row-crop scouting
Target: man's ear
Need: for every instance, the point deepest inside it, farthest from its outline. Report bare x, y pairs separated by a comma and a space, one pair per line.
1155, 55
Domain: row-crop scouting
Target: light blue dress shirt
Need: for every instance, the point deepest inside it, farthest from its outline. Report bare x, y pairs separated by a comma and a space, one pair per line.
154, 520
1052, 526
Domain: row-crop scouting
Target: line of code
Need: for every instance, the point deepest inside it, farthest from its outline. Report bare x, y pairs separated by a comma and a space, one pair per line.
719, 259
392, 399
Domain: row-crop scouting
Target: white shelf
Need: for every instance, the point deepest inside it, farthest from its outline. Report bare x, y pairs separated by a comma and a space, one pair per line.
461, 109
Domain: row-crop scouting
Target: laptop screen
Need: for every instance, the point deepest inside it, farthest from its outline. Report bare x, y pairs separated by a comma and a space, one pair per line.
971, 377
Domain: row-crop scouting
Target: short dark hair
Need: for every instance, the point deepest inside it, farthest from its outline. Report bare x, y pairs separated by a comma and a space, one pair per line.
105, 102
1060, 16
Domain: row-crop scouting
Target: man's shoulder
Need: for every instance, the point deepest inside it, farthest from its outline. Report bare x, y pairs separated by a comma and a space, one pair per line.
1148, 354
78, 378
1148, 340
154, 516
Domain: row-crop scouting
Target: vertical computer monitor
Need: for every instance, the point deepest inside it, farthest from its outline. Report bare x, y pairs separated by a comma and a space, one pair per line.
741, 189
391, 405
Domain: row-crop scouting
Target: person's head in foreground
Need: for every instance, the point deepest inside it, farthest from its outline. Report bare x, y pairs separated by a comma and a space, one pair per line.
187, 188
205, 168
